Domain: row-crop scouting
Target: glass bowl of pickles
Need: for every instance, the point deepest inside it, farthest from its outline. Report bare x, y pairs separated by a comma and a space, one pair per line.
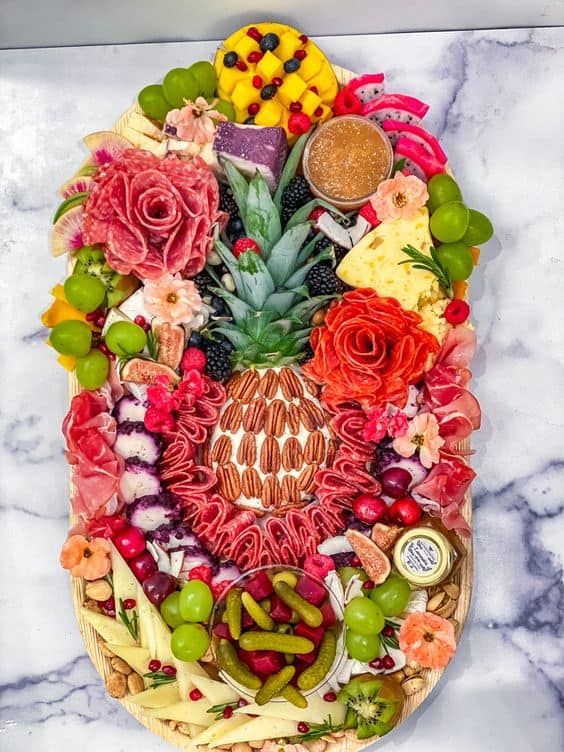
277, 634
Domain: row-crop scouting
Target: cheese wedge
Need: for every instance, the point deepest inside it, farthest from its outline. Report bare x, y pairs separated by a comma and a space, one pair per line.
219, 728
158, 697
195, 730
216, 692
124, 581
257, 728
192, 711
317, 710
136, 657
109, 629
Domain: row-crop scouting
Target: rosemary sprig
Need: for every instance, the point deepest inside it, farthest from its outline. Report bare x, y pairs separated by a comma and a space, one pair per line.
132, 623
398, 166
390, 642
152, 344
317, 730
217, 710
158, 678
431, 264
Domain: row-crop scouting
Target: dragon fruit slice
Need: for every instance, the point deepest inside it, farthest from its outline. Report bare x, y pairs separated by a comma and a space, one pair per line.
138, 479
105, 146
130, 409
396, 128
133, 440
77, 184
367, 87
418, 161
395, 107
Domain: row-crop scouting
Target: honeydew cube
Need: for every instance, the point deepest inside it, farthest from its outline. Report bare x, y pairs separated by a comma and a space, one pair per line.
292, 89
269, 66
311, 64
310, 102
289, 43
228, 79
270, 113
244, 94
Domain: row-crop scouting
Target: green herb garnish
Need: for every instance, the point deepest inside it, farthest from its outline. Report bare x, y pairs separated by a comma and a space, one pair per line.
158, 678
398, 166
132, 623
153, 344
431, 264
217, 710
390, 642
317, 730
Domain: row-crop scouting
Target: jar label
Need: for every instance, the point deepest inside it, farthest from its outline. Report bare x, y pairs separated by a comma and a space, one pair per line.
421, 556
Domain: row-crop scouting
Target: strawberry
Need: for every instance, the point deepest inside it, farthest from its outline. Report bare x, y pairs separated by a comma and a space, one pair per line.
245, 244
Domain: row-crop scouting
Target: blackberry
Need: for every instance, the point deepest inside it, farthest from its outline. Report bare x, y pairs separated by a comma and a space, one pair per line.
295, 195
322, 280
325, 242
218, 361
219, 306
202, 281
307, 354
227, 201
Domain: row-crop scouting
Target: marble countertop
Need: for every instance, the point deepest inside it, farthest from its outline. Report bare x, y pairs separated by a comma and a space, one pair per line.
496, 102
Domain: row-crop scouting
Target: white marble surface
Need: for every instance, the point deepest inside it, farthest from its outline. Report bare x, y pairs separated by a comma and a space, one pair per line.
496, 101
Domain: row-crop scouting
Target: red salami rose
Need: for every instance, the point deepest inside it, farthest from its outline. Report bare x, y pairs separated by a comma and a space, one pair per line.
153, 215
369, 351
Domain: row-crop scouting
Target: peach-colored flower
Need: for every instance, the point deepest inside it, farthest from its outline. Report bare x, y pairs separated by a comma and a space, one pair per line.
86, 557
172, 299
399, 197
427, 639
194, 122
423, 435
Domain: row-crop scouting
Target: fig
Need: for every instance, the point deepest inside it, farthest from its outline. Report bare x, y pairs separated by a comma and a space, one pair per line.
384, 536
171, 339
140, 371
374, 561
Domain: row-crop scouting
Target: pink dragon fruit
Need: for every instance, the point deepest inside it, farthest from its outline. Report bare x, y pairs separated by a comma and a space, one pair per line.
396, 129
367, 87
395, 107
418, 161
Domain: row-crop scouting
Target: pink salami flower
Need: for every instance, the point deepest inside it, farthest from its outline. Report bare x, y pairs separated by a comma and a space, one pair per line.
400, 197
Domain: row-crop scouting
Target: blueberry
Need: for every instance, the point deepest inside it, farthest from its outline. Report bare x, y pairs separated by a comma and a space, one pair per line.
218, 305
268, 91
291, 65
226, 344
235, 229
249, 121
195, 340
269, 42
230, 59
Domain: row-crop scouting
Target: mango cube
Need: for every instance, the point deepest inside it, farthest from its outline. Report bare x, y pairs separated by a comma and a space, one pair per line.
228, 79
269, 114
289, 43
245, 46
269, 66
325, 83
244, 94
292, 89
310, 102
311, 64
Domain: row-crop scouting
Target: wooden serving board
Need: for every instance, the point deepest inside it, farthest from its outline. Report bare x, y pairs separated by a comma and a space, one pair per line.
463, 577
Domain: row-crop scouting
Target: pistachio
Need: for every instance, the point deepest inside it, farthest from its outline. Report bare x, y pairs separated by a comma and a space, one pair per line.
135, 683
98, 590
116, 684
119, 665
434, 602
412, 685
452, 590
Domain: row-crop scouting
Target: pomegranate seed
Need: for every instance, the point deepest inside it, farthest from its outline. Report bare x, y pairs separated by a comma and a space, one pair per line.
100, 321
295, 106
277, 81
92, 316
140, 320
257, 82
329, 697
314, 89
195, 694
318, 112
169, 670
388, 631
303, 38
254, 57
154, 665
303, 728
129, 603
254, 33
356, 562
227, 712
109, 606
368, 585
253, 108
388, 662
300, 54
241, 65
242, 702
376, 663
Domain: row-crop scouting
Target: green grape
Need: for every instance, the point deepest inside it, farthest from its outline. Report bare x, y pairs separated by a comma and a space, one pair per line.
125, 338
363, 616
449, 222
179, 85
457, 259
205, 75
479, 229
196, 601
361, 647
92, 370
392, 596
225, 108
442, 189
170, 610
189, 642
71, 338
153, 103
84, 292
347, 573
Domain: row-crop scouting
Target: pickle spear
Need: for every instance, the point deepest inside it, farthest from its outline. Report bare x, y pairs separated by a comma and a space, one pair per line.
309, 613
256, 612
318, 670
233, 610
280, 643
291, 694
229, 661
274, 685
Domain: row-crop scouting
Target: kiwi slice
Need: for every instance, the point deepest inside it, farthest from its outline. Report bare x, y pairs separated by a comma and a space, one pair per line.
373, 705
91, 260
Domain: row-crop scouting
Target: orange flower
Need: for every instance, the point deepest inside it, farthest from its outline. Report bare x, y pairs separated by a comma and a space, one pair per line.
86, 557
427, 639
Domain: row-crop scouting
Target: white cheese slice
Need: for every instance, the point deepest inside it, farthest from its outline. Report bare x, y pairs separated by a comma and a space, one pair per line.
219, 728
108, 628
263, 727
135, 306
157, 697
190, 711
216, 692
317, 710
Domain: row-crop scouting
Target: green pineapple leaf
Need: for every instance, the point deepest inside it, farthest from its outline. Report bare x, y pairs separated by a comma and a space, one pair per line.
255, 284
236, 336
282, 260
239, 309
229, 260
280, 302
298, 277
262, 220
290, 168
304, 211
238, 185
304, 310
308, 249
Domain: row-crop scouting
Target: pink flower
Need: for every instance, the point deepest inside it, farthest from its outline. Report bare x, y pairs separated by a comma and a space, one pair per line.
399, 197
423, 435
195, 121
376, 427
397, 425
172, 299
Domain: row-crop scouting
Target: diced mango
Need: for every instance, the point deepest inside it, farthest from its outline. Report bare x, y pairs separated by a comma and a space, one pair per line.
292, 89
60, 310
324, 82
310, 102
311, 64
269, 114
244, 94
67, 361
228, 79
245, 46
289, 43
326, 114
269, 66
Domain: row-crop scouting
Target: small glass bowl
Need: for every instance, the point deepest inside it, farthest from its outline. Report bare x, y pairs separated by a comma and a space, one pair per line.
219, 608
340, 203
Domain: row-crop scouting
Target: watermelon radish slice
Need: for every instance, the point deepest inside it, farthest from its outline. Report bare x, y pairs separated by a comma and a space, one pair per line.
395, 107
418, 161
395, 129
106, 146
77, 184
367, 87
66, 235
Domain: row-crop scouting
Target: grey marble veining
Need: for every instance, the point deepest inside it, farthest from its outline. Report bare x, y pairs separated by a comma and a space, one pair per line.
496, 101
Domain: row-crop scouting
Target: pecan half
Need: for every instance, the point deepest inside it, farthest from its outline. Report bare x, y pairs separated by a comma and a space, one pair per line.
271, 496
251, 484
245, 388
228, 481
247, 452
315, 413
293, 419
290, 384
292, 455
254, 416
231, 418
222, 449
306, 481
269, 384
270, 456
289, 490
315, 448
275, 418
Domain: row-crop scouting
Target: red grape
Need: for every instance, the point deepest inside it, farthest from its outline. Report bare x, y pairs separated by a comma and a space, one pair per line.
130, 542
143, 566
405, 511
395, 482
369, 509
158, 586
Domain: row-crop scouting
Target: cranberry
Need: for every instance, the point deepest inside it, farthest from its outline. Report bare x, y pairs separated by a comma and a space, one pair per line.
241, 65
395, 482
109, 606
300, 54
277, 81
318, 112
376, 663
169, 670
388, 662
99, 322
295, 106
303, 728
227, 711
195, 694
154, 664
356, 562
368, 585
314, 89
253, 108
257, 82
388, 631
329, 697
254, 33
242, 702
457, 311
143, 566
303, 38
369, 509
140, 321
93, 315
158, 586
130, 542
405, 511
129, 603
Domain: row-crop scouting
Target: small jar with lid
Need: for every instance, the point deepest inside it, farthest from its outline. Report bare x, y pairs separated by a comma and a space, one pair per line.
427, 553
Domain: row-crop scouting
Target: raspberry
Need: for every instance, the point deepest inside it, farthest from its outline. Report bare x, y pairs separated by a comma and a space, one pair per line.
193, 358
319, 565
202, 572
245, 244
457, 311
299, 123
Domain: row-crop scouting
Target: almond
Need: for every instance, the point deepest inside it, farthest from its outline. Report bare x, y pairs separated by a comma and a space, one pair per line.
104, 649
292, 455
269, 384
251, 484
293, 419
271, 492
290, 384
228, 481
245, 388
231, 418
452, 590
222, 450
434, 602
98, 590
447, 609
289, 490
119, 665
247, 452
255, 415
116, 684
315, 448
306, 481
135, 683
275, 418
270, 456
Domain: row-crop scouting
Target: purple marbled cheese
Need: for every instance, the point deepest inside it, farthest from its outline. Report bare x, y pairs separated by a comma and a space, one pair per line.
250, 147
